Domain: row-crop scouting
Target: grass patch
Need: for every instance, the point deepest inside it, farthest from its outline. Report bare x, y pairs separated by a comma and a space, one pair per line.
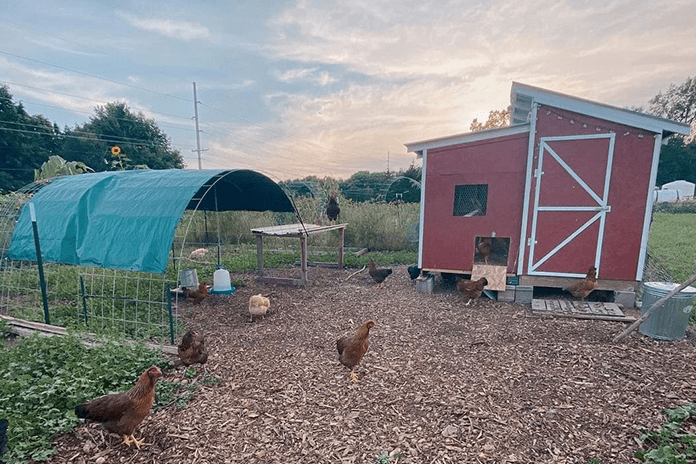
673, 241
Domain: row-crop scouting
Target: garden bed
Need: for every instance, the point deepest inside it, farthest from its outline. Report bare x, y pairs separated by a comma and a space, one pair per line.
441, 382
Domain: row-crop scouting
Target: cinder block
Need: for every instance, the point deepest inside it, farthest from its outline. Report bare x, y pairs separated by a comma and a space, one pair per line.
625, 299
425, 284
523, 294
507, 295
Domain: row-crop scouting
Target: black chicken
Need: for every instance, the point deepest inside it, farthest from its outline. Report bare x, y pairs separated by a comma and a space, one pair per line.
332, 209
413, 272
378, 274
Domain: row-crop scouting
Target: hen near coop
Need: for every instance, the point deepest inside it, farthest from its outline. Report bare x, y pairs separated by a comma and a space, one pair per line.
121, 413
192, 348
584, 287
378, 274
471, 289
258, 306
332, 208
197, 295
352, 347
413, 272
484, 248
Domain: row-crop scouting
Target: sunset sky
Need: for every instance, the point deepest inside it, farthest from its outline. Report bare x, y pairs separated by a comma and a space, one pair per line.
297, 88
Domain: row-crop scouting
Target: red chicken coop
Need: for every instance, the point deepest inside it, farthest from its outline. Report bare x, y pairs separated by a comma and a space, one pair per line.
567, 185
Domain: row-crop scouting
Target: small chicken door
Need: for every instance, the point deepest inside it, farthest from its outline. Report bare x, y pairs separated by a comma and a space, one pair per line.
571, 189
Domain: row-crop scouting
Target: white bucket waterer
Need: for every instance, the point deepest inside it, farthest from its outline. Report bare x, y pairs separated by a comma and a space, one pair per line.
221, 281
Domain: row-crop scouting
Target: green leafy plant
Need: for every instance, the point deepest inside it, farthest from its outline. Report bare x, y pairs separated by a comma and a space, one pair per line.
42, 379
210, 379
175, 393
669, 444
384, 458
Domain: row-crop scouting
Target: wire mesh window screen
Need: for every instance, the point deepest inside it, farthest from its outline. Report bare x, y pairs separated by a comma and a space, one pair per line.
470, 200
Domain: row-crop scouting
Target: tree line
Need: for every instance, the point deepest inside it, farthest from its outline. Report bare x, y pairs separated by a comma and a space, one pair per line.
115, 137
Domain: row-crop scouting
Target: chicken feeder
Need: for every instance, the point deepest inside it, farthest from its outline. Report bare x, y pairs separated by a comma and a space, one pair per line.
221, 281
670, 321
188, 278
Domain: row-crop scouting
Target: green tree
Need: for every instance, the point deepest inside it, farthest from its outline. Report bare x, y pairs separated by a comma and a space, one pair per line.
139, 140
678, 157
366, 186
495, 119
678, 103
677, 161
25, 143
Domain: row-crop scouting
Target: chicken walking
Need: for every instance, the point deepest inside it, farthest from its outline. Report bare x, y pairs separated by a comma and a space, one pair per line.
582, 288
378, 274
472, 289
121, 413
352, 347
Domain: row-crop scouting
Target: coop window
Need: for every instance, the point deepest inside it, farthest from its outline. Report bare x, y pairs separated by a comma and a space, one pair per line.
470, 200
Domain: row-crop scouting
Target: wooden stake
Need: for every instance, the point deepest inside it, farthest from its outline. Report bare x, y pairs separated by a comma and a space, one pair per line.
657, 305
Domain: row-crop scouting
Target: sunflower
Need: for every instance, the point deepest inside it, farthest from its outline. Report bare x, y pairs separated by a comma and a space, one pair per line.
115, 150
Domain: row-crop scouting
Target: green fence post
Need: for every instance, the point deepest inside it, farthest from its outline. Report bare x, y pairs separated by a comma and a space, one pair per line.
84, 298
171, 318
39, 263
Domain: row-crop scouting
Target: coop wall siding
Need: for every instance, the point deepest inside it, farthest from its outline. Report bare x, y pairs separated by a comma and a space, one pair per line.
448, 241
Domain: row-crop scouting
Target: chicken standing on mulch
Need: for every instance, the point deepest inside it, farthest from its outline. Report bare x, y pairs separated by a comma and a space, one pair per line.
441, 382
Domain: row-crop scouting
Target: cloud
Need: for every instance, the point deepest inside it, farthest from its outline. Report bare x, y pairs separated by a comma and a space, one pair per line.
182, 30
312, 75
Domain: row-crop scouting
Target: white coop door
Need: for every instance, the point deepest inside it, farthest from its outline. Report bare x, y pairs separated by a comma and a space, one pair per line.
559, 217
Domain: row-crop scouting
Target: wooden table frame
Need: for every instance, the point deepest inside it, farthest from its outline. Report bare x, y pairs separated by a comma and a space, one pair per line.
300, 231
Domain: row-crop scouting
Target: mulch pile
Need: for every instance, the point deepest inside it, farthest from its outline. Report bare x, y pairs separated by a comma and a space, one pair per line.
441, 382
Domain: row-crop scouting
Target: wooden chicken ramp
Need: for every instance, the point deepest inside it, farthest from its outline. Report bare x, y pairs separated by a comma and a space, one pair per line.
579, 310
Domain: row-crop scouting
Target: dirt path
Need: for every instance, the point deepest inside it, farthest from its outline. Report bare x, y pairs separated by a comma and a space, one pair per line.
441, 383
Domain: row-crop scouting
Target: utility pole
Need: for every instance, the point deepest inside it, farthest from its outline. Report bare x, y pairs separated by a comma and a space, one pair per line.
198, 132
387, 162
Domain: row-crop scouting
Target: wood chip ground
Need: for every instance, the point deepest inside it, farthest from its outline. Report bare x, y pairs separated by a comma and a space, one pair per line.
441, 382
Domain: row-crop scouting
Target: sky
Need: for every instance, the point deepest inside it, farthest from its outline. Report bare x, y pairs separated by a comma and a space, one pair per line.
293, 88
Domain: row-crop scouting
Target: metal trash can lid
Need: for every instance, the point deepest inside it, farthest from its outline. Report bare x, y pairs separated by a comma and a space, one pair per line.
664, 288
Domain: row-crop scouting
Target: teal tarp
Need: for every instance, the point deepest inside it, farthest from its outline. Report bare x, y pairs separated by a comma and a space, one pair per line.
127, 219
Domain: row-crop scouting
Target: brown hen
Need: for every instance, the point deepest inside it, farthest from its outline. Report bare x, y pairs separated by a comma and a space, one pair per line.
584, 287
192, 348
352, 347
197, 295
472, 289
121, 413
484, 248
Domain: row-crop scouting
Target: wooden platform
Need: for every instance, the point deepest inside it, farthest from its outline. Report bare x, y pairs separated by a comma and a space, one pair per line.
300, 231
580, 310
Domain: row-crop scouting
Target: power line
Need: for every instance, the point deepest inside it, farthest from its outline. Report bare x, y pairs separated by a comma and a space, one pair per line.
88, 134
95, 139
8, 83
94, 76
29, 102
